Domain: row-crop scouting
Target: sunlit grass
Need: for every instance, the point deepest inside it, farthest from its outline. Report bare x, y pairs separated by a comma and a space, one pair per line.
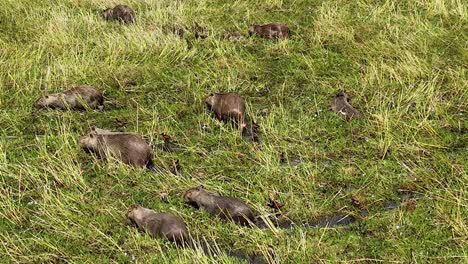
402, 62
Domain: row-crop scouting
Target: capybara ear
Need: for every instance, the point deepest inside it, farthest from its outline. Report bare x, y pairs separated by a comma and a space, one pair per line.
93, 128
201, 187
212, 94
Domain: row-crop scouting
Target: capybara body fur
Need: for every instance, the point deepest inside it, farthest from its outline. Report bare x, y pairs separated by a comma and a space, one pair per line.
225, 207
158, 225
77, 98
340, 104
271, 31
121, 13
227, 107
131, 149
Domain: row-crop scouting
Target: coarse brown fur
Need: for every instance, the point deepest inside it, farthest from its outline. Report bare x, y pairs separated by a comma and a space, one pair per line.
121, 13
272, 30
340, 104
131, 149
227, 107
225, 207
158, 225
77, 98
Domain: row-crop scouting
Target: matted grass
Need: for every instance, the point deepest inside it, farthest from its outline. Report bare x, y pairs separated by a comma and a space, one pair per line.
403, 62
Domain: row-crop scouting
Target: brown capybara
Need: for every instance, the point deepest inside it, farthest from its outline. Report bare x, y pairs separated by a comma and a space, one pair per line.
77, 98
129, 148
340, 104
158, 225
227, 107
121, 13
271, 31
225, 207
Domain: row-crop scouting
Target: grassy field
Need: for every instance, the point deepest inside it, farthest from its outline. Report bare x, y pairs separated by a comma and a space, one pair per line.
404, 63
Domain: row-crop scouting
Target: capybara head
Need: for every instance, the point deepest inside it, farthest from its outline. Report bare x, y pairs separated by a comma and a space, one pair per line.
131, 214
191, 195
46, 101
131, 211
210, 100
89, 142
107, 13
252, 29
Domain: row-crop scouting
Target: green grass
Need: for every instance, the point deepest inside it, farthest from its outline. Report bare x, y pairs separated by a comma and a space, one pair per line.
403, 62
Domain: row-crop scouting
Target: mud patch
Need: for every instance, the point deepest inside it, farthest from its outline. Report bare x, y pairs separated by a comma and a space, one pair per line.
289, 161
405, 198
332, 221
335, 220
